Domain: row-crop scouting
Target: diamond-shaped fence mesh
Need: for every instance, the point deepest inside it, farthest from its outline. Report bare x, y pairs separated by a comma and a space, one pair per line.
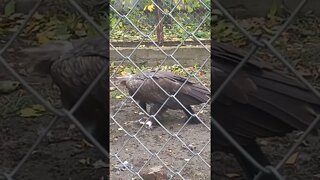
139, 32
260, 43
58, 114
147, 22
158, 33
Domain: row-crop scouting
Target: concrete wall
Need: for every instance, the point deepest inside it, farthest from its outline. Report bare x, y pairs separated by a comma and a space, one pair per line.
186, 55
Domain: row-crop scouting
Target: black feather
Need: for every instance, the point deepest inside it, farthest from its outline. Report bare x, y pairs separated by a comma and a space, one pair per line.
73, 66
188, 94
258, 102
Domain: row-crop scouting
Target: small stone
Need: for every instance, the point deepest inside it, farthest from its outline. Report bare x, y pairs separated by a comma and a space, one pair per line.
155, 173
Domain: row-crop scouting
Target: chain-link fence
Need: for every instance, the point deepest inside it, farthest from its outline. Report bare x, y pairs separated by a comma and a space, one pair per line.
198, 151
181, 150
260, 44
59, 114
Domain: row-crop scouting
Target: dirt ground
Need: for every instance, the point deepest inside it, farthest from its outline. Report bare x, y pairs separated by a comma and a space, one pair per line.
171, 150
61, 155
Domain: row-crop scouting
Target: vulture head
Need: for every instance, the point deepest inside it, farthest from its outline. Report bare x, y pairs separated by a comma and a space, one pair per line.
43, 56
124, 79
132, 82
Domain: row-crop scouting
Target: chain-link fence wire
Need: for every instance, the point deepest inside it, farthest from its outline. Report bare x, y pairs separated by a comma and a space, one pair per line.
124, 18
146, 14
263, 43
59, 113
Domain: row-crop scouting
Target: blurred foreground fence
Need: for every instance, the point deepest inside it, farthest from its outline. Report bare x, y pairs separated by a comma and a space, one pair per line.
188, 27
263, 43
150, 26
59, 113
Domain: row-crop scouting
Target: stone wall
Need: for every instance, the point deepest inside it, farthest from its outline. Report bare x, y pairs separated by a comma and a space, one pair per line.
186, 55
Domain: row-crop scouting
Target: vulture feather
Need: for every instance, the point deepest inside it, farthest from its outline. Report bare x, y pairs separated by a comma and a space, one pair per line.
188, 94
73, 66
258, 102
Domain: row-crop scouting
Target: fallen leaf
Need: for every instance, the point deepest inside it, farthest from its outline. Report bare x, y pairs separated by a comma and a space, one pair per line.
8, 86
119, 97
44, 37
293, 158
29, 112
33, 111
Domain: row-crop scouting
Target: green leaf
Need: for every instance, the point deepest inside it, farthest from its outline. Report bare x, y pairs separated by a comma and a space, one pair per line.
190, 9
33, 111
119, 96
10, 8
29, 112
8, 86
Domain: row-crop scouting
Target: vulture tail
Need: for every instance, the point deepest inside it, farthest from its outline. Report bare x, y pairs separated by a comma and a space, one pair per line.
200, 93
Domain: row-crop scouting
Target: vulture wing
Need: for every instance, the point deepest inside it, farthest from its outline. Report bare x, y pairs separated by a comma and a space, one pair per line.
73, 66
189, 94
259, 101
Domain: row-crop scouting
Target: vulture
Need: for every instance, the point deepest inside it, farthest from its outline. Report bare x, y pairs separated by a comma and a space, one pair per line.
73, 66
258, 102
145, 89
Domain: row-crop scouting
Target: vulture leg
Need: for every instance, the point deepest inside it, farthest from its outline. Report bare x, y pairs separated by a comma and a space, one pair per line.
193, 120
153, 109
251, 171
143, 105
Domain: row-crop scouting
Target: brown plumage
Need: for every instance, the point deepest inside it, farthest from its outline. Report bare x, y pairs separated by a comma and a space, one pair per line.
73, 66
258, 102
151, 93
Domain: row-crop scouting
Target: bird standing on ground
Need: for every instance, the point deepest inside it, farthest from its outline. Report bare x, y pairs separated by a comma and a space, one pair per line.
258, 102
73, 66
170, 83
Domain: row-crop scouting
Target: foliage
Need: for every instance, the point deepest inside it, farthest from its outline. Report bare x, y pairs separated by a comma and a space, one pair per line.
135, 21
224, 30
65, 24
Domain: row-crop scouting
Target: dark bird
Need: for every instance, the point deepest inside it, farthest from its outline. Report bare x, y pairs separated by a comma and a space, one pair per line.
150, 93
259, 102
73, 66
